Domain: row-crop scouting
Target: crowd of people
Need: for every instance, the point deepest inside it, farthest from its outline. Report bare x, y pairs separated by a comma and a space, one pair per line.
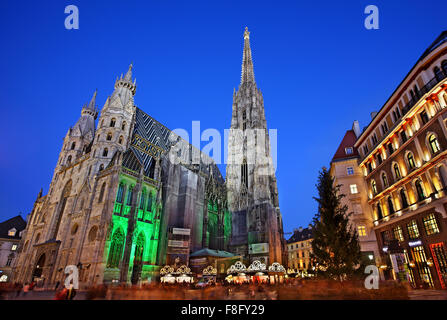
220, 290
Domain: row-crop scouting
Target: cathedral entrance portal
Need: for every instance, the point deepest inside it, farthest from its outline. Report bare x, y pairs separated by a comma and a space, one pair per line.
37, 273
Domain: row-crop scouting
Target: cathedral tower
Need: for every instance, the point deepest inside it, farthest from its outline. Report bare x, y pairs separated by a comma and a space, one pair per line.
251, 182
114, 126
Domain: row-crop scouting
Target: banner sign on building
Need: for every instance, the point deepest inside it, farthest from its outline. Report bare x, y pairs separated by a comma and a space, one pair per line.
185, 232
256, 248
178, 243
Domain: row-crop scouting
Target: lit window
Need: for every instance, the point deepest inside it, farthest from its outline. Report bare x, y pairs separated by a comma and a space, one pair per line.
349, 150
374, 187
14, 247
431, 225
353, 188
398, 234
434, 144
362, 231
411, 162
350, 171
396, 171
384, 180
12, 232
413, 231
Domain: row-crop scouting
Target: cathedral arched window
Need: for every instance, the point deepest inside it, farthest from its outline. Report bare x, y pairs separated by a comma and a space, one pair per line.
142, 200
105, 152
120, 193
73, 145
434, 144
149, 202
101, 193
129, 196
109, 136
74, 229
112, 122
244, 173
116, 249
102, 122
123, 126
101, 167
36, 240
69, 160
120, 140
92, 233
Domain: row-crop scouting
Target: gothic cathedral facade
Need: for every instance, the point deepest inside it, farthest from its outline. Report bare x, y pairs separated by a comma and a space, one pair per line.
128, 195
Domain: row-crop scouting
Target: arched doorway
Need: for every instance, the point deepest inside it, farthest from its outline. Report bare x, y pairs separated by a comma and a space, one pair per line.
37, 273
138, 258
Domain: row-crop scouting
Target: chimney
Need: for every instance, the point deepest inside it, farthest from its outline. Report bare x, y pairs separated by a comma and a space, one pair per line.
373, 114
356, 128
300, 229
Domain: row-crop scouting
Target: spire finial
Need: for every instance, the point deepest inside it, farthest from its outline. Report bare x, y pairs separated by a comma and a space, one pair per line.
248, 74
128, 75
246, 33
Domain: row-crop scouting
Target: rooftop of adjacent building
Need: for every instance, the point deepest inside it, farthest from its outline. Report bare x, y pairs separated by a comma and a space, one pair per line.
346, 149
442, 38
301, 234
9, 225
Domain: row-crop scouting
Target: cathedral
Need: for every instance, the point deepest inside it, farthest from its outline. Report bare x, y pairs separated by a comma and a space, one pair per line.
129, 196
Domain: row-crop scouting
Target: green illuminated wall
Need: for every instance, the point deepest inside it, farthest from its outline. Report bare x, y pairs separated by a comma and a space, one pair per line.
147, 227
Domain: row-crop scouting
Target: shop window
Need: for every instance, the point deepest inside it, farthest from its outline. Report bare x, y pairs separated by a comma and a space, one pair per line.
430, 224
412, 228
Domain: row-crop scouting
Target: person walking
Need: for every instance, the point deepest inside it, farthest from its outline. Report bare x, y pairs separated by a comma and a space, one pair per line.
71, 293
25, 289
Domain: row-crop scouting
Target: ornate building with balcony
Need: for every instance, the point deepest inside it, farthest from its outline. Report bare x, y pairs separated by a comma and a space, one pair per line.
403, 158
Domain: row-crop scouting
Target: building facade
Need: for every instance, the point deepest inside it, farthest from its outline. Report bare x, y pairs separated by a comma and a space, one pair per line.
403, 157
120, 190
299, 248
251, 182
346, 173
10, 235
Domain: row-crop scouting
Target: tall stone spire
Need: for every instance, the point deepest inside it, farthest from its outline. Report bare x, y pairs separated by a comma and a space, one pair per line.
248, 75
92, 104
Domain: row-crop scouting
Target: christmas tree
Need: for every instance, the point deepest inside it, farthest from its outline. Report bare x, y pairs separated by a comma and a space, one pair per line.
335, 246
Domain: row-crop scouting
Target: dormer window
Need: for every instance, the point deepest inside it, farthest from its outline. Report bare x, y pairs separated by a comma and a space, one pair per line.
349, 150
12, 232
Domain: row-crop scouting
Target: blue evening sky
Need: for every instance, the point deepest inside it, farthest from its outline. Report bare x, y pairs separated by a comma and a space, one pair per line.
316, 64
